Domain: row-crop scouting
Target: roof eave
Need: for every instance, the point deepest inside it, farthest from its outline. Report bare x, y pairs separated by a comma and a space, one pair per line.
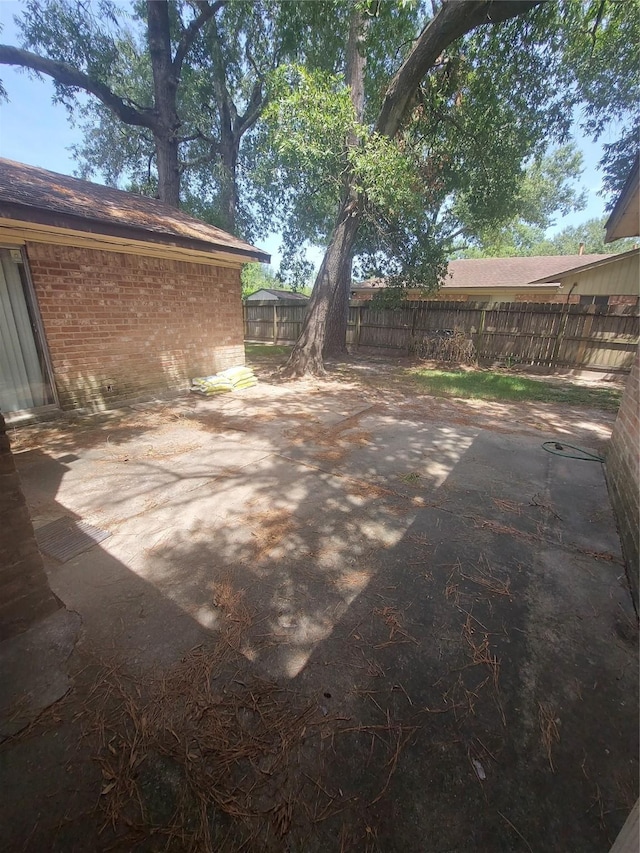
517, 286
624, 220
41, 216
557, 277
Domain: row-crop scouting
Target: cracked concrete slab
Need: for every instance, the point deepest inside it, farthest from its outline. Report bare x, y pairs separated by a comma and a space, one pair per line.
417, 568
34, 670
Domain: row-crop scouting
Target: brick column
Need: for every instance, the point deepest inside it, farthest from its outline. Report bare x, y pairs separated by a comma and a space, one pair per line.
623, 473
25, 595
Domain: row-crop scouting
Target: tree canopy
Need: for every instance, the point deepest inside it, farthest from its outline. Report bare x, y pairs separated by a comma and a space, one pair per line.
185, 82
485, 149
255, 277
88, 49
519, 240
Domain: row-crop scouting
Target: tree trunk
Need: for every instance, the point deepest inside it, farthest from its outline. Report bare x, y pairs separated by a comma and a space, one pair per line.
232, 128
168, 165
165, 88
308, 353
230, 134
335, 341
335, 344
229, 147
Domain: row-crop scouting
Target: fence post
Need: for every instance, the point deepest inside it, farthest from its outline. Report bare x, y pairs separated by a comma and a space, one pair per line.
412, 336
275, 323
556, 346
586, 332
479, 345
358, 321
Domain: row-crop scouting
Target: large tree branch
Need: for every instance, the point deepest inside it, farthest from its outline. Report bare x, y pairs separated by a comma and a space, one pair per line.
67, 75
457, 233
207, 11
226, 107
455, 18
165, 82
252, 113
165, 87
194, 136
200, 161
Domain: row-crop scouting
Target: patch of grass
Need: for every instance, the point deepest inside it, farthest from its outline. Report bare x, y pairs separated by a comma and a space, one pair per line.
261, 350
493, 385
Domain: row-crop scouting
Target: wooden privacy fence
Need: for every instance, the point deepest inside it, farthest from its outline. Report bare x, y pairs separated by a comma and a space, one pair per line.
547, 334
268, 321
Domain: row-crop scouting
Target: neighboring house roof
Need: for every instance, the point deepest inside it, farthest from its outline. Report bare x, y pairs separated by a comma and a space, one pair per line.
603, 261
625, 216
511, 272
369, 284
30, 194
496, 273
274, 293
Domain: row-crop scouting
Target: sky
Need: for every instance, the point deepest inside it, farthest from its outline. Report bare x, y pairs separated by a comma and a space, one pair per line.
36, 131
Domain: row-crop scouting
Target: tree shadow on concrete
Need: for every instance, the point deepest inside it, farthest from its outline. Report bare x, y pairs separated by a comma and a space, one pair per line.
429, 636
471, 670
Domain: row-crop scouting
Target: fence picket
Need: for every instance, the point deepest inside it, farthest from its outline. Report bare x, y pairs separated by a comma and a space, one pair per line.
545, 334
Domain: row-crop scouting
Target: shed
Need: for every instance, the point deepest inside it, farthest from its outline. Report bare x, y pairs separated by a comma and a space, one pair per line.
107, 296
282, 297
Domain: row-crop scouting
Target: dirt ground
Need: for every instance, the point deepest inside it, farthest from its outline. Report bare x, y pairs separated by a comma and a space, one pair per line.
331, 616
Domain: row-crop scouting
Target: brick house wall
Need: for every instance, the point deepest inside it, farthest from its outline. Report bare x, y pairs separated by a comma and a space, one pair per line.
623, 474
25, 595
126, 326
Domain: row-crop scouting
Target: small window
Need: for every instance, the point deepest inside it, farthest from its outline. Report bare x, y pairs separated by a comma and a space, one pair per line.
594, 300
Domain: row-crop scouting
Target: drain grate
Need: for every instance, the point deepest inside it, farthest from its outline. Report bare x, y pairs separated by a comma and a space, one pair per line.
65, 538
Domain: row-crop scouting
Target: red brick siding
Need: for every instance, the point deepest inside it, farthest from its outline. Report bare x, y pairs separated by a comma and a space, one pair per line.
25, 596
138, 324
623, 474
446, 296
623, 300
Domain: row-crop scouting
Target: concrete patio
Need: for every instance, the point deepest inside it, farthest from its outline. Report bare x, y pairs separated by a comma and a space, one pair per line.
446, 599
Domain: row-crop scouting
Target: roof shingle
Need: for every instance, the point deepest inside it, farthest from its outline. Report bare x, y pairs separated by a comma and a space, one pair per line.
32, 194
490, 273
277, 293
510, 272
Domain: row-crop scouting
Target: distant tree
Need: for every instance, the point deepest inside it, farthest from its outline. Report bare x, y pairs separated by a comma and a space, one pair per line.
591, 233
255, 277
527, 241
548, 188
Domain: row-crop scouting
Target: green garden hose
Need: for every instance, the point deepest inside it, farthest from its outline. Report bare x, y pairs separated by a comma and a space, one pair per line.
561, 450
